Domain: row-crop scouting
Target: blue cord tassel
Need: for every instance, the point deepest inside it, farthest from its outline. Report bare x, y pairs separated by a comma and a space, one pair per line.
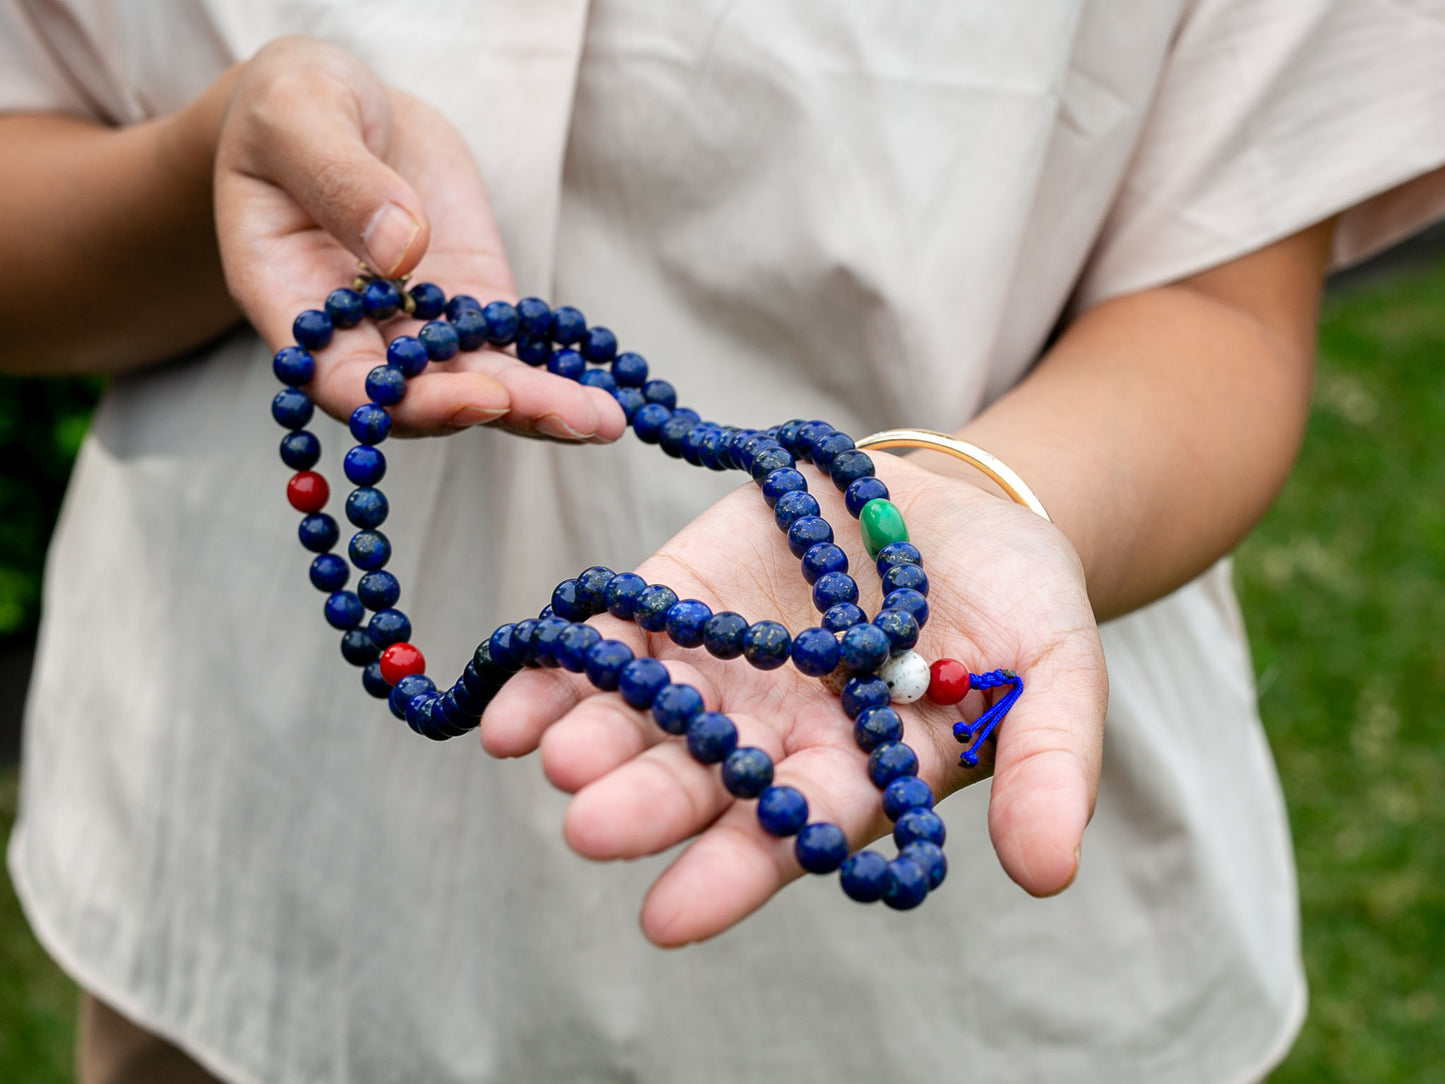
982, 728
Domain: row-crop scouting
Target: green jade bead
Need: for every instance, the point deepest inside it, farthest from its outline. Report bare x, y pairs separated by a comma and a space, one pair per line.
880, 523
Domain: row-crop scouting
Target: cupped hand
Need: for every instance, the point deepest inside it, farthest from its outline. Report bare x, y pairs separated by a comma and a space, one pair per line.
319, 165
1006, 590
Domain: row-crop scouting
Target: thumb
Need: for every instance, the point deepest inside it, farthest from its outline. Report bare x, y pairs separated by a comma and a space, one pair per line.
318, 125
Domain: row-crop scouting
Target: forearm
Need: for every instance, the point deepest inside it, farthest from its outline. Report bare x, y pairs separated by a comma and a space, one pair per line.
1162, 424
109, 237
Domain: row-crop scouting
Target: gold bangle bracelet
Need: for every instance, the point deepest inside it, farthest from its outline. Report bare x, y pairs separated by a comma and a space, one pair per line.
972, 454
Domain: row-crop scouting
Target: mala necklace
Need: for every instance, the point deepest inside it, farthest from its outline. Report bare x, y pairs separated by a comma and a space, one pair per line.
870, 662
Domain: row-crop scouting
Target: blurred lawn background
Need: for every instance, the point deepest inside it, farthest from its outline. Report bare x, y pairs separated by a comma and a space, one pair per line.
1344, 590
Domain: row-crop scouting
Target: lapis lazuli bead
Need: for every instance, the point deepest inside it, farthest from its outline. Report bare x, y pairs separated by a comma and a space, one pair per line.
502, 649
806, 532
388, 627
573, 645
502, 322
715, 453
369, 424
639, 681
827, 449
369, 550
770, 459
566, 363
660, 392
673, 432
534, 318
647, 423
843, 617
408, 354
897, 553
471, 328
766, 645
545, 638
300, 450
919, 824
685, 621
832, 588
440, 340
900, 627
930, 857
862, 490
863, 692
823, 558
865, 648
372, 681
329, 572
293, 366
460, 303
566, 602
628, 369
889, 761
428, 301
522, 640
905, 793
408, 687
568, 325
364, 465
864, 876
533, 351
292, 408
821, 847
899, 577
675, 706
312, 329
692, 444
366, 507
604, 661
711, 737
650, 609
343, 610
783, 480
378, 590
815, 652
747, 772
318, 532
630, 400
601, 378
380, 298
877, 726
622, 592
598, 346
907, 884
345, 308
782, 811
385, 385
724, 634
788, 434
592, 583
358, 648
849, 466
906, 600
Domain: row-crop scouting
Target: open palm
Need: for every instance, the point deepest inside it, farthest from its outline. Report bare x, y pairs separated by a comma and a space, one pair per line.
1006, 590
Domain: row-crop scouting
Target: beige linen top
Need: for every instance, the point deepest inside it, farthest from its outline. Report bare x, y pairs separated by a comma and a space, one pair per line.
868, 212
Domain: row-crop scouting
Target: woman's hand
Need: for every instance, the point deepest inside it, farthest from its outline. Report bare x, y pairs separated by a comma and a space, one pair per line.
318, 165
1006, 590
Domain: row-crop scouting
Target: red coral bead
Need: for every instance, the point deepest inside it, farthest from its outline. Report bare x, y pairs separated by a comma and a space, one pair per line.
947, 681
400, 660
308, 492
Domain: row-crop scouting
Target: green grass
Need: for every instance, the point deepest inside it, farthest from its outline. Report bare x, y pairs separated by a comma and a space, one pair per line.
1344, 588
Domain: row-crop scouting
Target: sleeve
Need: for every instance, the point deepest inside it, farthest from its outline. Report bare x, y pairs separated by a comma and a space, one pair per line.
1270, 116
33, 76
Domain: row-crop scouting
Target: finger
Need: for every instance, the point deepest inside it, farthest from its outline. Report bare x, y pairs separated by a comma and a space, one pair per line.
320, 131
602, 733
1046, 770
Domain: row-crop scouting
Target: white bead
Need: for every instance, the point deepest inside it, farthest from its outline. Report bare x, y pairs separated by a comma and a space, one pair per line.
906, 675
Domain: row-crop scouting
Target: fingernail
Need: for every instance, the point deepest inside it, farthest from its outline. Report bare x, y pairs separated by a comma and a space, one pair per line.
475, 415
387, 237
553, 426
